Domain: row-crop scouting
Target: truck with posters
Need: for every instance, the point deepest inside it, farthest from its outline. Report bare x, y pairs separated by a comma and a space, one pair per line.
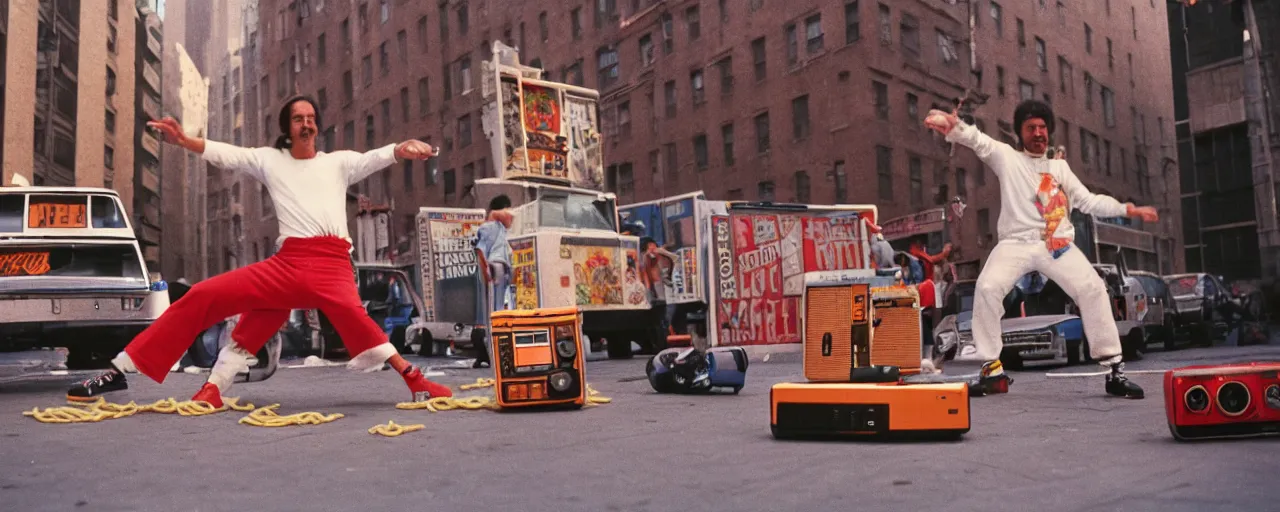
547, 158
743, 263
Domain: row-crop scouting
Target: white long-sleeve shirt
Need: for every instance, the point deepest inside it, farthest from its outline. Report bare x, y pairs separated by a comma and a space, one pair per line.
310, 195
1035, 191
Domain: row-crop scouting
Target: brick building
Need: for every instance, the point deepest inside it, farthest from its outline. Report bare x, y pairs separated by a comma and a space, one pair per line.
787, 101
146, 148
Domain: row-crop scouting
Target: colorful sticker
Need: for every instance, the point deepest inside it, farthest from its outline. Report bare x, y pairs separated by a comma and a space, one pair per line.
524, 273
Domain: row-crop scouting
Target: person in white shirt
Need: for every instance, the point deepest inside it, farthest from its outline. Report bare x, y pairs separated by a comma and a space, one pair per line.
311, 270
1035, 232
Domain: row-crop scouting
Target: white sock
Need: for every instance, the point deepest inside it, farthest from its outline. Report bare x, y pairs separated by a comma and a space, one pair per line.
232, 360
123, 363
1109, 362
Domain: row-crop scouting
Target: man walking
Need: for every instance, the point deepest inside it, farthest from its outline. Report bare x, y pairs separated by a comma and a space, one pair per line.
493, 253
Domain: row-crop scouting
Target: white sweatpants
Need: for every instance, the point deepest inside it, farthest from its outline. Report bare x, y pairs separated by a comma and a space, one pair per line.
1009, 261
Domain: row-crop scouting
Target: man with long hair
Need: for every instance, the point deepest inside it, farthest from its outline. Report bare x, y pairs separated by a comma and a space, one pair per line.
1037, 194
311, 270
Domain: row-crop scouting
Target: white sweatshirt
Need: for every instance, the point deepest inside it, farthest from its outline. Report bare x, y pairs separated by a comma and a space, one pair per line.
1035, 192
310, 195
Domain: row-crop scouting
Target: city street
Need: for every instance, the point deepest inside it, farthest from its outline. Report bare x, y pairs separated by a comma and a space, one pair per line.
1049, 445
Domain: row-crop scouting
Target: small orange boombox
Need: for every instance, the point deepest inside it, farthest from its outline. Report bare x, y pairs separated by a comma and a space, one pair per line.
888, 410
538, 358
1214, 402
852, 321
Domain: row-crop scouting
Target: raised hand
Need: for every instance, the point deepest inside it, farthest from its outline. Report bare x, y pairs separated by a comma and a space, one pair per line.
414, 150
1146, 213
941, 122
169, 130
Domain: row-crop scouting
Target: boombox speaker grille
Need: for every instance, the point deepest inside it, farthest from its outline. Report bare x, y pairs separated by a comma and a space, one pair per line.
897, 340
828, 345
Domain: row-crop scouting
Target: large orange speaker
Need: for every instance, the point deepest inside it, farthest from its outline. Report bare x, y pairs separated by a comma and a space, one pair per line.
1226, 401
840, 325
537, 356
826, 410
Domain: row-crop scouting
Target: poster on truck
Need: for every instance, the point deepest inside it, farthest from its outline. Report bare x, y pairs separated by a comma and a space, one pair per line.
760, 258
524, 273
450, 274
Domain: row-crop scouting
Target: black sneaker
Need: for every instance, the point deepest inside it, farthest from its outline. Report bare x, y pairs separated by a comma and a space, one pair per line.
1119, 385
89, 390
991, 380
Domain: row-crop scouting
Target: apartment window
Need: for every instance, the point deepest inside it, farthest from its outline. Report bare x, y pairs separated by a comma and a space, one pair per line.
368, 131
108, 157
464, 74
607, 66
694, 21
1106, 156
464, 130
423, 36
668, 34
348, 88
765, 191
725, 66
543, 32
346, 33
321, 50
886, 25
464, 19
322, 97
962, 182
1088, 38
402, 45
624, 118
1109, 107
762, 132
330, 134
408, 174
758, 58
669, 151
910, 35
913, 110
881, 92
947, 49
575, 22
646, 50
1064, 75
384, 58
1021, 36
695, 84
793, 45
384, 11
669, 92
724, 12
726, 134
1088, 91
883, 173
1111, 56
984, 223
800, 117
404, 104
450, 184
1026, 90
111, 121
442, 14
852, 30
700, 151
363, 17
1042, 58
1000, 81
111, 82
837, 174
997, 19
802, 187
366, 66
813, 34
916, 176
348, 133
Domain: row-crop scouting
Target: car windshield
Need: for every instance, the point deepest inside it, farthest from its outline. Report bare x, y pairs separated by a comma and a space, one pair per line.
577, 211
1187, 285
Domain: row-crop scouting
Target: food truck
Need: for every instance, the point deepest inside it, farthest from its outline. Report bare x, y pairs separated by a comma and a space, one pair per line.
743, 263
547, 158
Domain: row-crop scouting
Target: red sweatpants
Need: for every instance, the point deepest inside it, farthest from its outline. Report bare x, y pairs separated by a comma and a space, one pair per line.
306, 273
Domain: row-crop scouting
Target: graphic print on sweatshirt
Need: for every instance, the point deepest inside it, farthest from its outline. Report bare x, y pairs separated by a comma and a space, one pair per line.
1053, 206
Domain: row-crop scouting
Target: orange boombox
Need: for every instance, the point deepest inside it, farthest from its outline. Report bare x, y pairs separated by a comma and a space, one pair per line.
868, 410
1233, 400
855, 319
537, 358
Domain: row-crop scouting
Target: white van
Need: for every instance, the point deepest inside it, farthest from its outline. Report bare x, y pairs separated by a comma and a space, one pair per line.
72, 276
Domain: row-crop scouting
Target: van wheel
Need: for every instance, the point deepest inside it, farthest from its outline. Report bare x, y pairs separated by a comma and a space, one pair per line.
427, 348
1011, 359
1073, 352
398, 341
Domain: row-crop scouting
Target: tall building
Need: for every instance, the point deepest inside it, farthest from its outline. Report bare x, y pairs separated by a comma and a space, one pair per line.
258, 222
185, 98
147, 205
805, 101
1226, 75
69, 93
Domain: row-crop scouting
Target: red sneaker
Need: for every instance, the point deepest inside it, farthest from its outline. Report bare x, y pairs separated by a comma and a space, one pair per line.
422, 388
209, 393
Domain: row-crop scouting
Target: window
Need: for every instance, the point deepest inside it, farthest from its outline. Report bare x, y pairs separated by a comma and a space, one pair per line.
402, 45
793, 45
464, 19
1106, 157
837, 174
1026, 90
424, 96
575, 22
384, 58
408, 174
348, 88
917, 181
881, 100
800, 117
624, 118
725, 66
1064, 75
1042, 58
321, 51
330, 134
726, 134
346, 33
802, 187
1000, 80
984, 222
1109, 107
322, 97
852, 31
543, 32
423, 36
884, 174
910, 35
762, 132
669, 95
404, 104
997, 19
450, 184
947, 49
464, 130
962, 179
384, 11
349, 134
669, 150
368, 131
758, 58
694, 21
1088, 38
1021, 36
646, 50
108, 157
886, 25
363, 17
668, 34
464, 75
607, 66
700, 151
1111, 56
913, 110
765, 191
813, 34
695, 84
366, 66
111, 121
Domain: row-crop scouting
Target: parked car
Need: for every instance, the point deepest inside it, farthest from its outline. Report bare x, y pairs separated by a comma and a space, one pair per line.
390, 298
1159, 321
1035, 325
1197, 298
1128, 306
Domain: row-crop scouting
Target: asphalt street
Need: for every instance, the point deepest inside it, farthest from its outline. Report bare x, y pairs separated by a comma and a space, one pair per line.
1049, 445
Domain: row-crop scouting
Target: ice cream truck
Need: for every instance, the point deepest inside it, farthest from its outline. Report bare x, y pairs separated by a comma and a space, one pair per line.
547, 158
744, 263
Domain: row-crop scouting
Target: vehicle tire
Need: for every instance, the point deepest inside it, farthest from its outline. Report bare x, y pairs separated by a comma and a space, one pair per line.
1011, 359
1202, 334
428, 346
1073, 352
619, 346
479, 344
1131, 345
398, 340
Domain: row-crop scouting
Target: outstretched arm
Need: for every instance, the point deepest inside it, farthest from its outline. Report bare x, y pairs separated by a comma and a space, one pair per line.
222, 155
1101, 205
989, 150
363, 165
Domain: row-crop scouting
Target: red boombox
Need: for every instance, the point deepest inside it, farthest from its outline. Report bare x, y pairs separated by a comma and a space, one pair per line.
1223, 401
